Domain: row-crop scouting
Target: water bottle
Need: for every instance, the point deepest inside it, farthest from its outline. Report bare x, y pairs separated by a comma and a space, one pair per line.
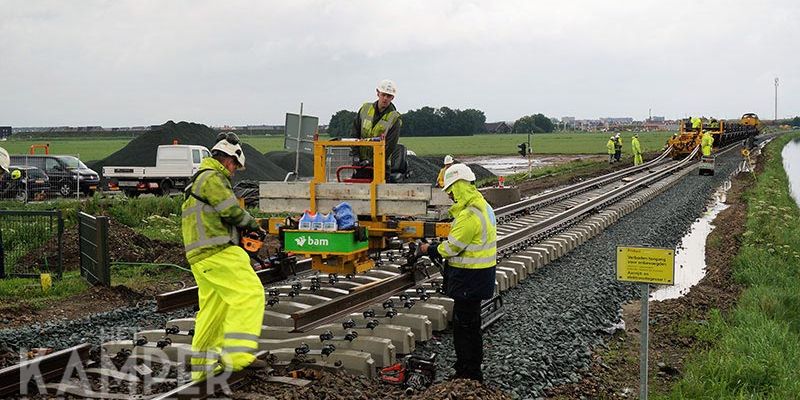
330, 223
305, 221
317, 222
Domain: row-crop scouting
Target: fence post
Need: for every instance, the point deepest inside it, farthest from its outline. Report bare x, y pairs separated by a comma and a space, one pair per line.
2, 257
60, 243
102, 251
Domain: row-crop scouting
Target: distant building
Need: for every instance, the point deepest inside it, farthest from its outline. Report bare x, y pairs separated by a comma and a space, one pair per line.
497, 127
5, 132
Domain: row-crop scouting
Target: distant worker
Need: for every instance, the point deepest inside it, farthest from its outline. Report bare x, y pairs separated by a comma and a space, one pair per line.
378, 120
610, 148
706, 142
617, 147
636, 149
714, 124
448, 161
469, 274
231, 296
697, 123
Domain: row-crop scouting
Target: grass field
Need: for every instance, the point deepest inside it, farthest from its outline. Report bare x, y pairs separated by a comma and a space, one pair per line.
90, 149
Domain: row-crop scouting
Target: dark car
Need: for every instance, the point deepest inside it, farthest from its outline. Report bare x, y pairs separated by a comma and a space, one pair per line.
31, 183
67, 173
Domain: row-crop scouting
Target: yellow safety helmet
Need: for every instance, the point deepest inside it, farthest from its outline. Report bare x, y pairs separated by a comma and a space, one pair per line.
16, 174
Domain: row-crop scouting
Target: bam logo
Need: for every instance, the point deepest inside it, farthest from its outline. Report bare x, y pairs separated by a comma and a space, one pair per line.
302, 240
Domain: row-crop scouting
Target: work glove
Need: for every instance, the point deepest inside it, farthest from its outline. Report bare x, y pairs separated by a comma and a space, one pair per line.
433, 253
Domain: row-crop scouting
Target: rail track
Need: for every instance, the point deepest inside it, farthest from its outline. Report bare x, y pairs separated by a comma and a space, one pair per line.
356, 323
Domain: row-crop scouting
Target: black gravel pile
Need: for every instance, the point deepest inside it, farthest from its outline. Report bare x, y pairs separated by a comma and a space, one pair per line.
426, 169
141, 151
557, 315
118, 324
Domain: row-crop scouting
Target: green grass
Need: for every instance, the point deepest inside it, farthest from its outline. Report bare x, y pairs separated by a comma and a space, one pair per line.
21, 292
756, 348
89, 149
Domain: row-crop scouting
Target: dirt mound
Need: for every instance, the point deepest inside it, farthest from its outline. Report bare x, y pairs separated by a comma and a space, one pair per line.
141, 151
124, 244
286, 161
426, 169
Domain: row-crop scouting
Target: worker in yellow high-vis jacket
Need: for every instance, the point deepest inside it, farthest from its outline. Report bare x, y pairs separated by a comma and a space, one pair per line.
636, 149
706, 142
469, 276
231, 296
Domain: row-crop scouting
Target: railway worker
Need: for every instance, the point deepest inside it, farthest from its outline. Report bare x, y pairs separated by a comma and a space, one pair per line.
636, 149
469, 275
231, 296
617, 147
696, 124
378, 119
448, 161
706, 142
610, 148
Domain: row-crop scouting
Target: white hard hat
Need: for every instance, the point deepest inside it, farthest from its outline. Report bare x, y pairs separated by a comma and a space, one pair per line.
228, 143
448, 159
617, 135
388, 87
457, 172
5, 160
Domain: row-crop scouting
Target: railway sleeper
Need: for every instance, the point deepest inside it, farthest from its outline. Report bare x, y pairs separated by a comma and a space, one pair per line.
380, 349
355, 362
419, 324
436, 314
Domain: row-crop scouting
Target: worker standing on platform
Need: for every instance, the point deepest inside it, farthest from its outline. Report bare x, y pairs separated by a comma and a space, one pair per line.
469, 275
636, 149
706, 142
696, 124
231, 296
378, 120
610, 148
448, 161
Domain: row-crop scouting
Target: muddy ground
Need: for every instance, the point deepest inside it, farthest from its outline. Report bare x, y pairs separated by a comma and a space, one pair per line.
615, 369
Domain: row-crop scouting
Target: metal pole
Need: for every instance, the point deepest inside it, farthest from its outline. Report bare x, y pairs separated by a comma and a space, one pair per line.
643, 347
529, 154
297, 153
776, 98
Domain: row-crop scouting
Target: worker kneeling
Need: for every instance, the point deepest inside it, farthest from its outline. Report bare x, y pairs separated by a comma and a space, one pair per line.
231, 296
469, 275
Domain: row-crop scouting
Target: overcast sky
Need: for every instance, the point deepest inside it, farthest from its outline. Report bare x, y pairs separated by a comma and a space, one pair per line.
122, 63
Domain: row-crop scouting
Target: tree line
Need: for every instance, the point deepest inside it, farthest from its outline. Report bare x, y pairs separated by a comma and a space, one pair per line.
443, 121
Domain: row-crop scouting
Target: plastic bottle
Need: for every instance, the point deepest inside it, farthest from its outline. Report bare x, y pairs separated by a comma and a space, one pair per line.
317, 222
330, 223
305, 221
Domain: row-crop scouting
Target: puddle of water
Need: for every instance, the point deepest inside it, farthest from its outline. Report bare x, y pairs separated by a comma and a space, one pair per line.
690, 256
507, 165
791, 164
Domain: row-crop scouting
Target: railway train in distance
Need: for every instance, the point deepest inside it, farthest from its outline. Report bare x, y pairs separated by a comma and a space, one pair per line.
724, 132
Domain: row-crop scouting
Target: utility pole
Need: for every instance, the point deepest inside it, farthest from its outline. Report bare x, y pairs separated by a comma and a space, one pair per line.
776, 99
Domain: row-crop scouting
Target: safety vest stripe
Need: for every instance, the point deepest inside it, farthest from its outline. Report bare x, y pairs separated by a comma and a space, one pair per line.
202, 207
231, 201
208, 355
479, 247
242, 336
245, 221
208, 242
452, 239
448, 249
479, 214
473, 260
239, 349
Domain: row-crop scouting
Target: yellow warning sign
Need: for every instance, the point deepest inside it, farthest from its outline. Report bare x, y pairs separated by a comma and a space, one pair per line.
646, 265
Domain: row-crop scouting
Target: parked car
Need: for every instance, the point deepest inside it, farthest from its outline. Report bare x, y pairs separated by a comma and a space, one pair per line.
66, 173
31, 183
175, 166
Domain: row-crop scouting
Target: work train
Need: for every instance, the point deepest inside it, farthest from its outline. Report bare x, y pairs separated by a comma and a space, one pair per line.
724, 132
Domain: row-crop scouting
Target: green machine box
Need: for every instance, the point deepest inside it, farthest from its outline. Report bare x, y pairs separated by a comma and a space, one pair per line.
323, 242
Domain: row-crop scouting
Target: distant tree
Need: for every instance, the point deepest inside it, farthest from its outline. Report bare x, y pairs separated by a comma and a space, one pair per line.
341, 123
444, 121
536, 123
795, 121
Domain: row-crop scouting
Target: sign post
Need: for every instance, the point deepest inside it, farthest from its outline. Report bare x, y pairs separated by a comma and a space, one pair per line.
645, 265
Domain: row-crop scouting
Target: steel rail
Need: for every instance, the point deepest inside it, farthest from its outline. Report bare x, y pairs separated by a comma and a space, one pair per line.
48, 367
187, 297
544, 199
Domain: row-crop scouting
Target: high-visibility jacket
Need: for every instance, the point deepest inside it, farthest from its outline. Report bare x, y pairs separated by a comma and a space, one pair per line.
610, 146
383, 126
636, 147
471, 246
696, 123
211, 213
705, 143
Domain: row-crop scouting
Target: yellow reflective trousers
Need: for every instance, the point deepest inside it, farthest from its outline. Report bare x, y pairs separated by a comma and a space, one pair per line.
228, 325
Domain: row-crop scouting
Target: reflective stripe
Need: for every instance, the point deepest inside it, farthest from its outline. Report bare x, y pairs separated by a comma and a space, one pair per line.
208, 242
479, 214
199, 205
242, 336
208, 355
449, 250
473, 260
204, 367
456, 242
479, 247
231, 201
239, 349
